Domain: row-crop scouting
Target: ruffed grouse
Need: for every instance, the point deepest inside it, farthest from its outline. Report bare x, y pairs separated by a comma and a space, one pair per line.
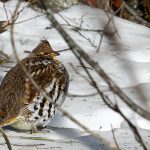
21, 104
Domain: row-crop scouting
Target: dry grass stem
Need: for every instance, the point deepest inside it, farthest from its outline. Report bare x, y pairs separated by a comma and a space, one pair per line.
6, 139
113, 132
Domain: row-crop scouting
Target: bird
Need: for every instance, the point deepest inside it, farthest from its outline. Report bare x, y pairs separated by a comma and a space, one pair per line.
22, 105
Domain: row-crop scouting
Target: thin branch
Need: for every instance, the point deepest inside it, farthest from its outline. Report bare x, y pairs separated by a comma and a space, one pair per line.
116, 143
6, 24
29, 19
113, 106
78, 73
106, 27
5, 11
63, 50
83, 95
86, 67
131, 125
79, 29
6, 139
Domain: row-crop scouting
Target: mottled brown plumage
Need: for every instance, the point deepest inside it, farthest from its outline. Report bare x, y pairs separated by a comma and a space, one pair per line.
21, 104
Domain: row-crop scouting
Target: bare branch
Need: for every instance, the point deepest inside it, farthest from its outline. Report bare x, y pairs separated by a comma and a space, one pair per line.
6, 138
114, 107
107, 25
4, 25
132, 127
79, 29
113, 132
5, 11
29, 19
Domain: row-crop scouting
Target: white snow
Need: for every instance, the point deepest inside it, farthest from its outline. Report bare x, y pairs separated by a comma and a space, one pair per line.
126, 60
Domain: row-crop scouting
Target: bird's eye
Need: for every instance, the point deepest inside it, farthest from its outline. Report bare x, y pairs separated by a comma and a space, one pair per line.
43, 53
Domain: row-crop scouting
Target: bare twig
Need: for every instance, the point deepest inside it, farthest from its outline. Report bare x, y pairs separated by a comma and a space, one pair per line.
113, 106
63, 50
83, 95
5, 11
113, 132
106, 26
112, 85
76, 71
131, 125
3, 58
6, 138
6, 24
29, 19
79, 29
86, 67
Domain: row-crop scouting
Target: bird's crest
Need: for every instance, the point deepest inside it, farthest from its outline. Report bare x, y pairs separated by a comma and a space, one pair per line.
44, 48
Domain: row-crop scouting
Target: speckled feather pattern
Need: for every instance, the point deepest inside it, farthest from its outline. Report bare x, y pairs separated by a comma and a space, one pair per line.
21, 100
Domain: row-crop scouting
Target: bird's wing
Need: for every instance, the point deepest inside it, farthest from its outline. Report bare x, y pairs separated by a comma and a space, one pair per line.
17, 91
42, 70
10, 94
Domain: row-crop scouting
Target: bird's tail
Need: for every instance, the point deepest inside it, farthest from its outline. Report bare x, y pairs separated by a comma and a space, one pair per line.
6, 122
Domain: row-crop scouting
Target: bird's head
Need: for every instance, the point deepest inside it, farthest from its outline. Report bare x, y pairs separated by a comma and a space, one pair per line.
44, 48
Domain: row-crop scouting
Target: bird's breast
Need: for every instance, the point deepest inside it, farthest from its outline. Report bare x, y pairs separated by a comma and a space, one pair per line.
43, 108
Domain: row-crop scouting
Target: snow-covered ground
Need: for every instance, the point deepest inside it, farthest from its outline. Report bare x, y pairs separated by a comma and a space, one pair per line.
126, 60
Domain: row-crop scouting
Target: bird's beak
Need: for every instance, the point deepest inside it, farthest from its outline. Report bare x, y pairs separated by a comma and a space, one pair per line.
57, 54
54, 54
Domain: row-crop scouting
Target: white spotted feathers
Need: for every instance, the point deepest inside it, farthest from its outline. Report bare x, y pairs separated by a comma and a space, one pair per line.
21, 102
